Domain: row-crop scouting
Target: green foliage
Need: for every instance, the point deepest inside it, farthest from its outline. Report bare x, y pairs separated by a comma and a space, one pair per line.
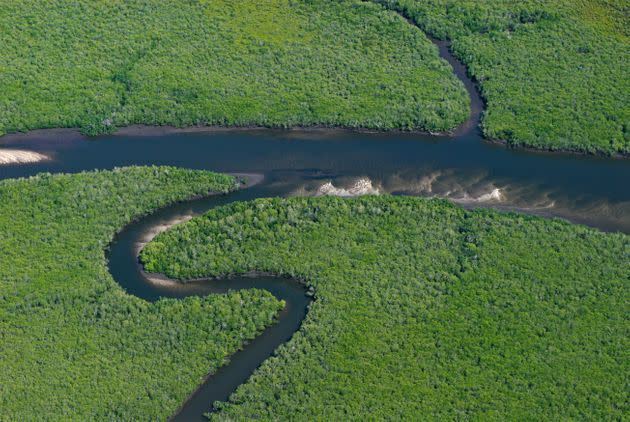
98, 126
424, 310
274, 63
554, 74
73, 345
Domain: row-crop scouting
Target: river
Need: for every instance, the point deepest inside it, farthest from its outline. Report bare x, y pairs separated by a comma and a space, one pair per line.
462, 167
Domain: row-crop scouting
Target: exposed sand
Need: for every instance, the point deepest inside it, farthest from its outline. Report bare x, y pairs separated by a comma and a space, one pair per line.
17, 156
459, 193
161, 280
155, 230
250, 179
495, 195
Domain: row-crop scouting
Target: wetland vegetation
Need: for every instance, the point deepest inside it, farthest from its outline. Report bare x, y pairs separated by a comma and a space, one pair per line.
554, 74
423, 309
74, 345
277, 63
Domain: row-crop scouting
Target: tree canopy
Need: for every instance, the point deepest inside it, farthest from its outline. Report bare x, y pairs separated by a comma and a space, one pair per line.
554, 74
279, 63
424, 310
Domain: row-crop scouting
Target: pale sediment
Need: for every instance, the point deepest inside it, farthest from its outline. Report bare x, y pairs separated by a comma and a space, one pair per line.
17, 156
248, 180
362, 186
157, 229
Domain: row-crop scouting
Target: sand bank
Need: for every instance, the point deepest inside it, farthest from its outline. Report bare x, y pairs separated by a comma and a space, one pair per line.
17, 156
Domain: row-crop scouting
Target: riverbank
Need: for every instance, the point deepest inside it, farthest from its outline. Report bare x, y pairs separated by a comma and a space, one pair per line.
244, 181
556, 151
53, 134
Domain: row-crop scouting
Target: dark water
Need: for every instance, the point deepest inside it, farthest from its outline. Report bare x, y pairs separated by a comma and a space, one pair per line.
462, 167
125, 269
590, 190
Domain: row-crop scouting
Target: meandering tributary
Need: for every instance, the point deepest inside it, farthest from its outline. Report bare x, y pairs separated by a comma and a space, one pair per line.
461, 167
126, 269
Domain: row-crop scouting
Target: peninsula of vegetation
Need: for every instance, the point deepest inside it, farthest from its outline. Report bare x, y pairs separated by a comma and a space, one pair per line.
74, 345
423, 310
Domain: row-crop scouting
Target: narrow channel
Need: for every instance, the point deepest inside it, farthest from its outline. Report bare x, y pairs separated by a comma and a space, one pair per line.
127, 271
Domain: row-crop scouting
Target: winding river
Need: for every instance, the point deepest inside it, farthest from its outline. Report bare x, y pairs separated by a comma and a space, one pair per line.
125, 268
462, 167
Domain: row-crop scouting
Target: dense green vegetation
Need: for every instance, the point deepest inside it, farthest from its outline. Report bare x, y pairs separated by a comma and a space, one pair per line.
98, 65
424, 310
73, 345
555, 73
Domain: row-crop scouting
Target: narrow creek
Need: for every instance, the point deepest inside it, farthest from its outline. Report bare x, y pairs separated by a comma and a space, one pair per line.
127, 271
